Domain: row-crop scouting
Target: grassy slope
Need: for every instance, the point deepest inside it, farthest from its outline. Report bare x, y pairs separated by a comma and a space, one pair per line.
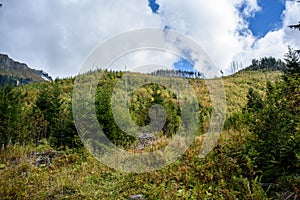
237, 87
78, 175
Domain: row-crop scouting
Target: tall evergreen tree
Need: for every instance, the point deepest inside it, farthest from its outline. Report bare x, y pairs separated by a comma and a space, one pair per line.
275, 123
292, 62
11, 102
48, 105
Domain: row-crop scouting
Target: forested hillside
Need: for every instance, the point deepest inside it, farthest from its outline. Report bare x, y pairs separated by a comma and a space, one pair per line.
257, 156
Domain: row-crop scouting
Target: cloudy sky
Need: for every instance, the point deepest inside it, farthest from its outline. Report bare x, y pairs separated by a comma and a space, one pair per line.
58, 35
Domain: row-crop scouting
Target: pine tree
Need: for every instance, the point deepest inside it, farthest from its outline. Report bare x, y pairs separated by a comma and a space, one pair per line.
11, 102
274, 145
292, 62
48, 106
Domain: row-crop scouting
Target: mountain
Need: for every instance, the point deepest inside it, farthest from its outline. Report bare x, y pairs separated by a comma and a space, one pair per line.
16, 73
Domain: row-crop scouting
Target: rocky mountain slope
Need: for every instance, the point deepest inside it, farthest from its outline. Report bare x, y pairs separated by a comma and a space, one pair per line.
13, 72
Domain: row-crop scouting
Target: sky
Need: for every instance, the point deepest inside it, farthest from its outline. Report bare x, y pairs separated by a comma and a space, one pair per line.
58, 35
268, 19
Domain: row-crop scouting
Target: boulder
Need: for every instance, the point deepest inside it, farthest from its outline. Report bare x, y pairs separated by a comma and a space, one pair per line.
136, 197
44, 158
146, 139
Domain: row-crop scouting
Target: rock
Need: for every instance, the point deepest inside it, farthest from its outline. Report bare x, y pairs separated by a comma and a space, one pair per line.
146, 139
44, 75
8, 63
44, 159
136, 197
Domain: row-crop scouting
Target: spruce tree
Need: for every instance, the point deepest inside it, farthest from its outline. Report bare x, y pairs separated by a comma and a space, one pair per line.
11, 102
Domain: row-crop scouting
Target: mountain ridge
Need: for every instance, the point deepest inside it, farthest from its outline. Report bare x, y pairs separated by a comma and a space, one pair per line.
14, 72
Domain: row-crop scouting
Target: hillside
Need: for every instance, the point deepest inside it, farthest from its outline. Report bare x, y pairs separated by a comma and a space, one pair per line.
13, 72
47, 160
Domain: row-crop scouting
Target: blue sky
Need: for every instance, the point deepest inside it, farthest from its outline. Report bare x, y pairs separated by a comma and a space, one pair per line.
268, 19
154, 6
184, 65
57, 36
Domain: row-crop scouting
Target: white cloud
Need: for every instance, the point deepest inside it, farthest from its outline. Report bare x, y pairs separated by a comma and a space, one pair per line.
271, 45
155, 58
215, 25
251, 7
58, 35
291, 16
274, 43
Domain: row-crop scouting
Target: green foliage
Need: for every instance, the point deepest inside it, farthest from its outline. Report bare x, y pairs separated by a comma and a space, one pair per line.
239, 120
150, 95
139, 103
292, 59
266, 64
274, 123
78, 175
255, 102
11, 103
49, 102
13, 81
235, 121
231, 171
104, 110
7, 80
275, 141
53, 118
